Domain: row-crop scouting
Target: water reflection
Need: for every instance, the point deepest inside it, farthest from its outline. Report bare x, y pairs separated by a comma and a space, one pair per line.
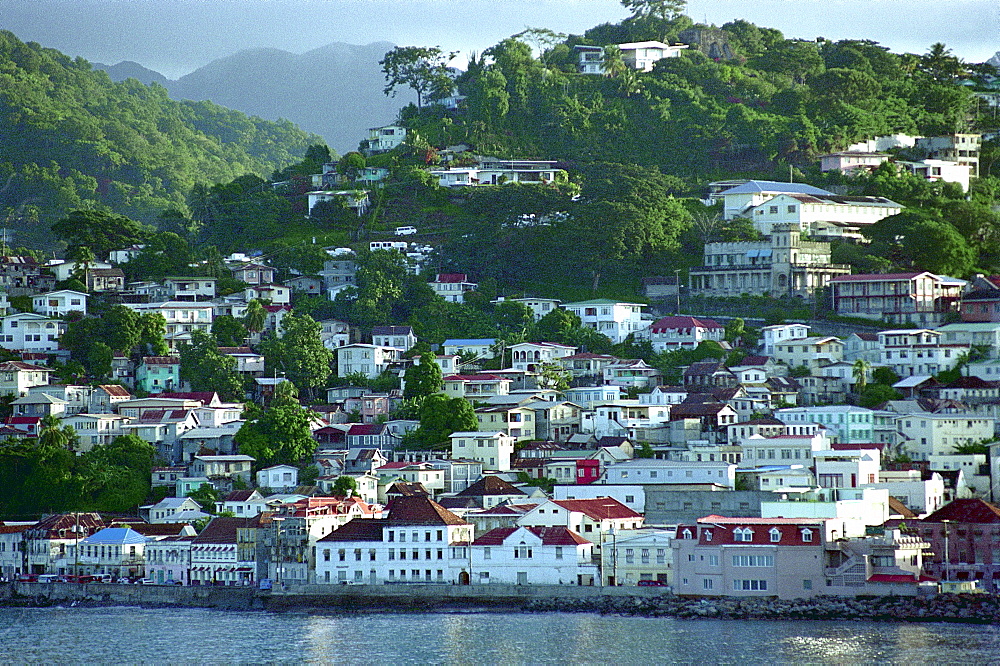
191, 635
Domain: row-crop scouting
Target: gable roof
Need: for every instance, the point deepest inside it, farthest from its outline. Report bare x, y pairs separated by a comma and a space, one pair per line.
357, 529
600, 508
115, 536
222, 529
966, 511
490, 485
420, 510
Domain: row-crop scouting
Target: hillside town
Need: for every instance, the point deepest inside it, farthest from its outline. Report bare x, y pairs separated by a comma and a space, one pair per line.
856, 455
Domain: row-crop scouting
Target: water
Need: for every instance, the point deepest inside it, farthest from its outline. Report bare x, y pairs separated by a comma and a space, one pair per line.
117, 635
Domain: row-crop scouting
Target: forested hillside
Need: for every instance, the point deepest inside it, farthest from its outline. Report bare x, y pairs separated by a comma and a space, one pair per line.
774, 101
70, 138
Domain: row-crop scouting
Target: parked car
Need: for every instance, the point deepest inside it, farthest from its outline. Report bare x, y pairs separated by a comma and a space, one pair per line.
145, 581
48, 578
651, 583
405, 231
27, 578
123, 581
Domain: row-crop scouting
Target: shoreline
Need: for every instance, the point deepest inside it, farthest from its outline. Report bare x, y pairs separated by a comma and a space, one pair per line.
952, 608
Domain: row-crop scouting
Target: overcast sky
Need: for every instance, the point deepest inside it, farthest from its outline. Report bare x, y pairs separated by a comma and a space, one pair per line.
175, 37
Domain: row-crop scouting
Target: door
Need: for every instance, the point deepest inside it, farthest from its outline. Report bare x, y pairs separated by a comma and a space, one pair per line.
522, 577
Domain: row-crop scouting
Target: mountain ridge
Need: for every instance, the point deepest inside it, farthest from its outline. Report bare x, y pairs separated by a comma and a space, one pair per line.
276, 84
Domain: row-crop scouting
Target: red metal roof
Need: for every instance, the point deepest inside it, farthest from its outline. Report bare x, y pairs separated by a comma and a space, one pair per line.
600, 508
452, 277
550, 536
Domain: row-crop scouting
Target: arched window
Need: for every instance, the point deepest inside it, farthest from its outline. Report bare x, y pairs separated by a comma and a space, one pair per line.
775, 534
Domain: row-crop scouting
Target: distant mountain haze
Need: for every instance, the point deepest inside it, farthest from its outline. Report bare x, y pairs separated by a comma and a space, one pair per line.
334, 91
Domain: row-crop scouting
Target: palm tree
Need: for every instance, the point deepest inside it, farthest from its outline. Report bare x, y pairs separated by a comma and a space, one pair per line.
860, 372
83, 257
52, 434
255, 317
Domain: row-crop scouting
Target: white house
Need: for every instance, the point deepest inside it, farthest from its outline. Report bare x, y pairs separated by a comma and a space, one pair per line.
533, 556
614, 319
740, 199
681, 332
652, 471
452, 286
59, 303
772, 335
370, 360
28, 331
17, 377
397, 337
539, 306
383, 139
939, 171
420, 542
481, 348
494, 449
278, 477
821, 214
531, 356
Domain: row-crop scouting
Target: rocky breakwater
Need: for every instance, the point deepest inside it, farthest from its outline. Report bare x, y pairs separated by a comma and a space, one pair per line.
970, 608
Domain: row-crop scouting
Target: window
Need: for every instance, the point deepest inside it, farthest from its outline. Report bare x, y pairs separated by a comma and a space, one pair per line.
707, 583
753, 560
713, 560
775, 534
749, 585
742, 534
807, 535
630, 556
487, 554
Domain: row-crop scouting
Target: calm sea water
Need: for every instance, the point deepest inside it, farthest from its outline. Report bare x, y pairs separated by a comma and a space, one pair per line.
130, 635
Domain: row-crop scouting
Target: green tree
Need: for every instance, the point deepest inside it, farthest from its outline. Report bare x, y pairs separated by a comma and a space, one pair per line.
229, 331
344, 486
101, 232
424, 378
278, 435
255, 317
207, 370
52, 433
874, 395
663, 10
424, 69
440, 416
299, 353
553, 376
645, 451
206, 496
860, 371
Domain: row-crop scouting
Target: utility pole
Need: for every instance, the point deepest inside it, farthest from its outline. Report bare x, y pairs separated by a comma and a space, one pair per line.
677, 284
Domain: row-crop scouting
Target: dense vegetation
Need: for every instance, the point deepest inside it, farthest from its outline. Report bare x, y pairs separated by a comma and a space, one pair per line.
71, 138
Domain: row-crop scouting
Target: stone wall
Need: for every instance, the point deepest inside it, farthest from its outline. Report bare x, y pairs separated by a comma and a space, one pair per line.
650, 602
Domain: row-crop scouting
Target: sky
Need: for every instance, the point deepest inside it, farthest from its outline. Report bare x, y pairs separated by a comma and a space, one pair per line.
175, 37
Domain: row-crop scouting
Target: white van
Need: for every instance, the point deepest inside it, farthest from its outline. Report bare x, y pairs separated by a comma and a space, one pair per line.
48, 578
405, 231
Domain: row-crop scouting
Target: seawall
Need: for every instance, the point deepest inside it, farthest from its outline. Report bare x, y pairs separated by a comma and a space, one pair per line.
649, 602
